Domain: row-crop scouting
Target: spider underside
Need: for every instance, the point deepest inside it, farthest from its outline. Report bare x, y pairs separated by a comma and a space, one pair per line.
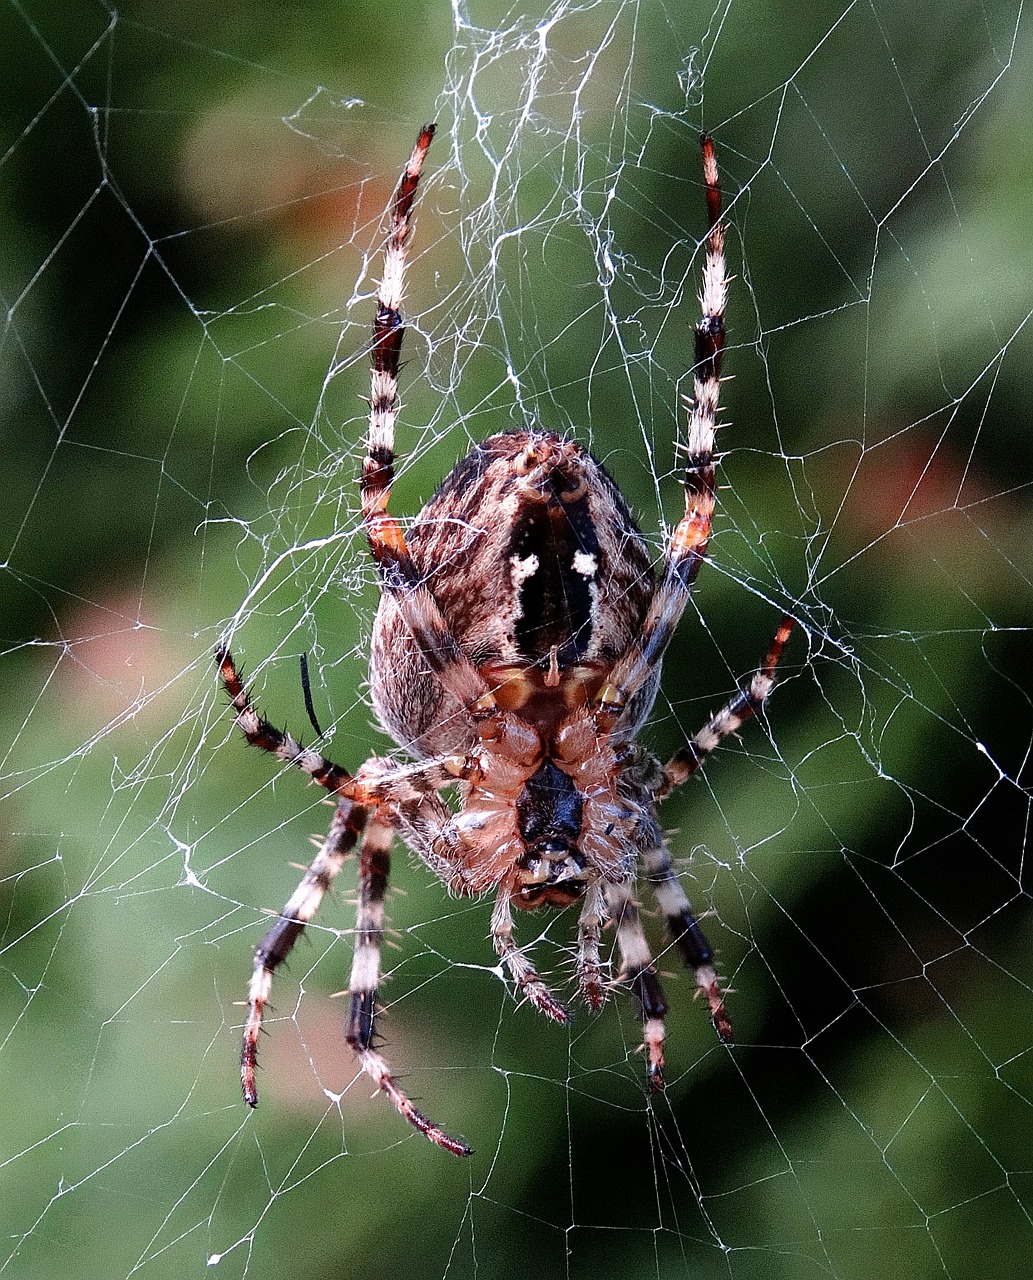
516, 653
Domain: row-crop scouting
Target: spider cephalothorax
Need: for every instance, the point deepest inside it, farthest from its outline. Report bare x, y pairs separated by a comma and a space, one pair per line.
516, 653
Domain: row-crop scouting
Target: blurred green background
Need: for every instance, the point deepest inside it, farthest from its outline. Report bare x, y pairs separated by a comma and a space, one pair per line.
189, 195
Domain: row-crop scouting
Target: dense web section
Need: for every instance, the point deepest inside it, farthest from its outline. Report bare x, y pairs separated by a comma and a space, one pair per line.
194, 213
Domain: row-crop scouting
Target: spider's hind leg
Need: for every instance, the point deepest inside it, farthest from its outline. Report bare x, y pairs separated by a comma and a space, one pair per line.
275, 947
686, 934
360, 1029
639, 972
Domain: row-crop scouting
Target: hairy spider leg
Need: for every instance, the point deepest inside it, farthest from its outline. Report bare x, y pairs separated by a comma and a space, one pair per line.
670, 897
278, 742
687, 547
639, 972
360, 1029
521, 969
348, 823
684, 554
741, 707
345, 829
398, 574
686, 934
588, 964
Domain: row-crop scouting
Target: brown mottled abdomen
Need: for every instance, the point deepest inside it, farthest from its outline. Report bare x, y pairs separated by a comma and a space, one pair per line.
542, 575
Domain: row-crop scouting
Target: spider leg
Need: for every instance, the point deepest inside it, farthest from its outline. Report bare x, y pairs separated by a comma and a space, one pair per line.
387, 543
421, 822
374, 864
398, 574
409, 794
521, 970
589, 932
386, 540
388, 331
732, 716
260, 733
671, 898
345, 829
688, 937
687, 547
409, 789
639, 972
360, 1029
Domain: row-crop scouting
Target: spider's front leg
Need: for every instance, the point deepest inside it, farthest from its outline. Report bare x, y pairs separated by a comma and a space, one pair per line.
399, 576
687, 548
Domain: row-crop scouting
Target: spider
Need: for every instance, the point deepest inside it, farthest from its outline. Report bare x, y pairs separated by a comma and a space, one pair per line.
515, 655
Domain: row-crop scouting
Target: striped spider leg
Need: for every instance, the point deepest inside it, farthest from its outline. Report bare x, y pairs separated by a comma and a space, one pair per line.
352, 822
684, 555
408, 605
671, 898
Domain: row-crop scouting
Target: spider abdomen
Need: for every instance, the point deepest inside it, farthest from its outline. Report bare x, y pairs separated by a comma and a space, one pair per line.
539, 569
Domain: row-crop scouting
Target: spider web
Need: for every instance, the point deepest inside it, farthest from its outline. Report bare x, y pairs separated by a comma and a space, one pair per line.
193, 205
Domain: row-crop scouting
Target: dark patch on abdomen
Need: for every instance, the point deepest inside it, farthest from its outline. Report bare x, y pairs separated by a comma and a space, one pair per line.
556, 600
